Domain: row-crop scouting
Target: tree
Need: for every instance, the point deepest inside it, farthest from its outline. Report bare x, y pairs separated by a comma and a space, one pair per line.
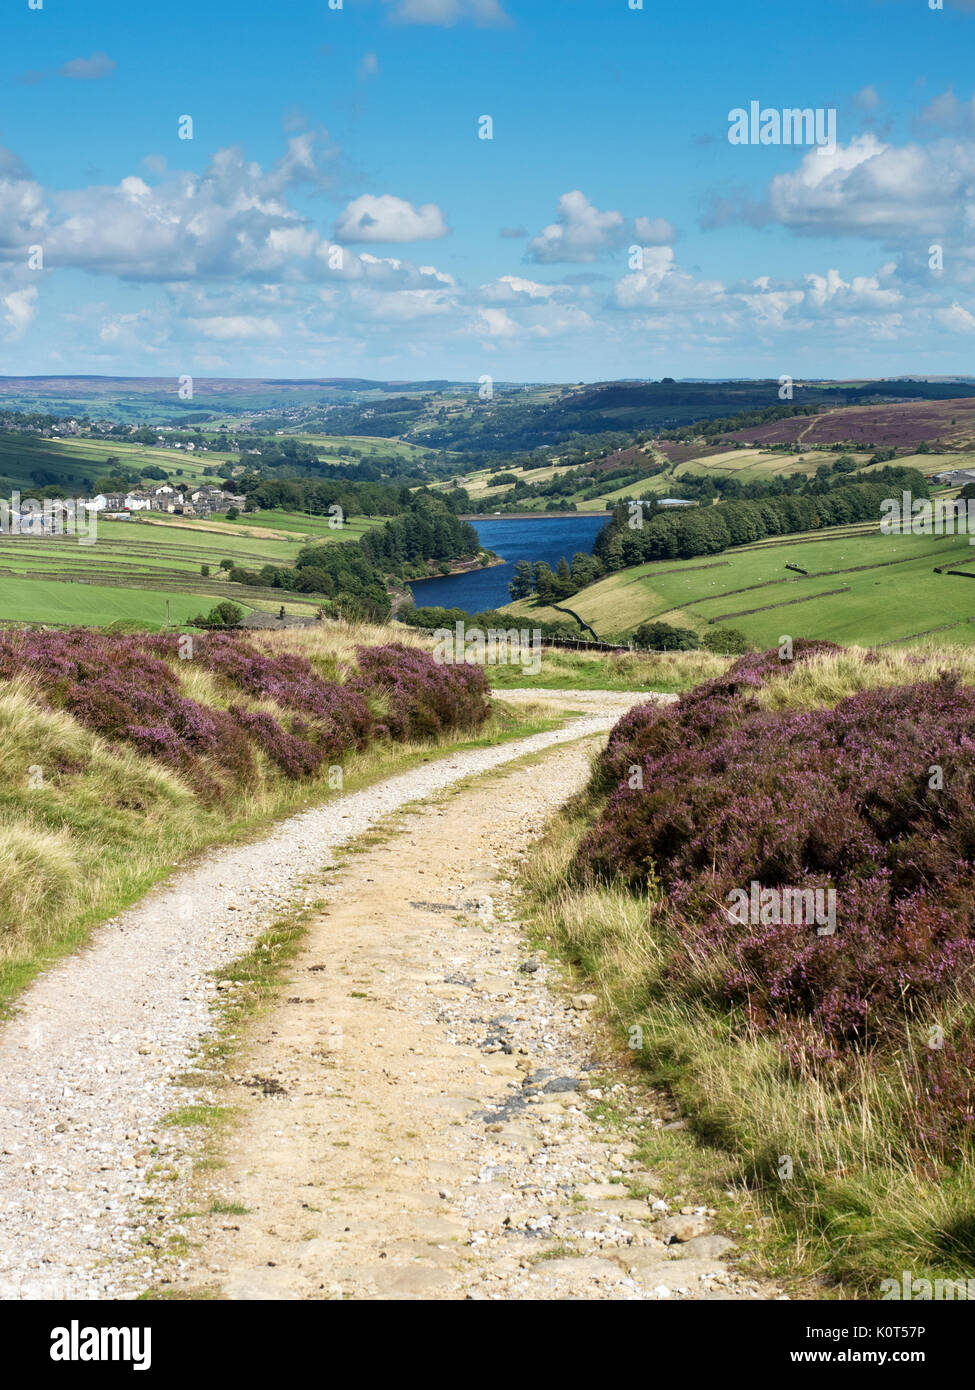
522, 583
233, 513
661, 637
729, 640
224, 614
545, 584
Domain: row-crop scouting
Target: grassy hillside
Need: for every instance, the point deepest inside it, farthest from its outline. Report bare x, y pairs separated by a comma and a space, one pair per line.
71, 461
861, 586
118, 759
135, 566
827, 1078
694, 460
578, 670
900, 424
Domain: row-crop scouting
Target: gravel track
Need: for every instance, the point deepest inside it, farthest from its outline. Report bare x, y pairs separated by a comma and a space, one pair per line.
88, 1066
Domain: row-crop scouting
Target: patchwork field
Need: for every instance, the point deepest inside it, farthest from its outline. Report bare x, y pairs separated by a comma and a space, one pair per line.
700, 460
861, 587
71, 461
135, 567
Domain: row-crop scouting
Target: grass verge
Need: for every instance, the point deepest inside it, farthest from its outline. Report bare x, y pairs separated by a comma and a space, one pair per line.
667, 672
840, 1188
89, 828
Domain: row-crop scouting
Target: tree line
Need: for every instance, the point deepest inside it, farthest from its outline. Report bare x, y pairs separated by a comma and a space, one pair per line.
641, 531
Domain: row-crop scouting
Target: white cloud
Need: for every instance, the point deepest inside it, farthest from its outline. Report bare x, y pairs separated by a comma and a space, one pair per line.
862, 292
234, 220
386, 218
88, 69
955, 319
496, 323
662, 284
873, 189
485, 13
401, 306
23, 214
654, 231
511, 288
236, 327
19, 309
582, 232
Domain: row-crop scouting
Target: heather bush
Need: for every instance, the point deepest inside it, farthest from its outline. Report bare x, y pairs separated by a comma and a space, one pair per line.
295, 755
422, 696
127, 688
698, 716
341, 717
115, 688
729, 792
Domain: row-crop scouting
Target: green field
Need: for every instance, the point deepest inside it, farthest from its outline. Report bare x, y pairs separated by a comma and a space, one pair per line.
748, 465
135, 566
69, 461
85, 604
363, 445
749, 588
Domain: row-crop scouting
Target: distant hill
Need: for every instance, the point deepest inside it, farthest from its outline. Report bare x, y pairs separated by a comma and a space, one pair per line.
902, 424
451, 415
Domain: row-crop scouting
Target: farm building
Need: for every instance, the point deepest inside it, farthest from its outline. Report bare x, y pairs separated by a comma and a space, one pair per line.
956, 477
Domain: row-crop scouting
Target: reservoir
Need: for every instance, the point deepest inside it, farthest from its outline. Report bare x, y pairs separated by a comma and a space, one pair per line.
546, 538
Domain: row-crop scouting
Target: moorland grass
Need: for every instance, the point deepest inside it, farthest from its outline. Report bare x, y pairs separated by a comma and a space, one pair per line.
89, 825
666, 672
848, 1182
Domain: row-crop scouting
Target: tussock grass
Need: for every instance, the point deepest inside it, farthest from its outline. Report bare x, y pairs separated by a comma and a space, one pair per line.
87, 828
579, 670
832, 676
833, 1161
332, 647
860, 1206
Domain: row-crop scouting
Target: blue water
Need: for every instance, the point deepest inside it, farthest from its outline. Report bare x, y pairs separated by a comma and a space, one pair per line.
548, 539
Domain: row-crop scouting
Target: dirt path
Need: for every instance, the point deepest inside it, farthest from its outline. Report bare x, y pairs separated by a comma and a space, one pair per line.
414, 1119
91, 1063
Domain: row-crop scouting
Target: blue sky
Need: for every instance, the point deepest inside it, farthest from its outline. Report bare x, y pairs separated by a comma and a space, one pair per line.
336, 214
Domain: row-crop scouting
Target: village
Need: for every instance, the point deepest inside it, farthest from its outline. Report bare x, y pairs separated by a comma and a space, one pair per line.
62, 516
178, 501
